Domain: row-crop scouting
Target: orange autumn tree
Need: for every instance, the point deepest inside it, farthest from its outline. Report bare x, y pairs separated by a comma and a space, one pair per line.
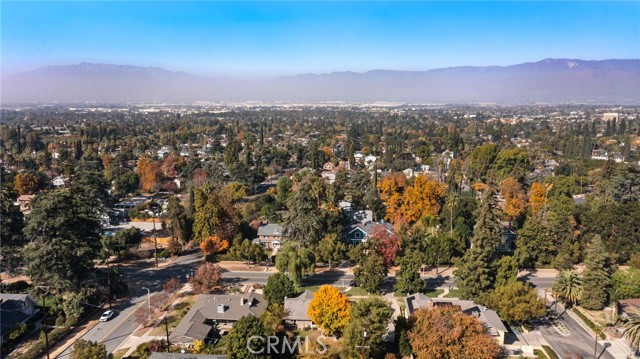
537, 196
391, 189
447, 332
422, 199
25, 183
149, 173
213, 245
330, 309
514, 197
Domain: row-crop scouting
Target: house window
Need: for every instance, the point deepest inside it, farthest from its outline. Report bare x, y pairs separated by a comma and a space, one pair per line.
358, 235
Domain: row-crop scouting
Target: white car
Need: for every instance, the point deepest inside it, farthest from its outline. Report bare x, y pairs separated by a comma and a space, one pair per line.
106, 315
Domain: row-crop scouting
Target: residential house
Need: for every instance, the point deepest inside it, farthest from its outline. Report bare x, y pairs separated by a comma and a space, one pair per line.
180, 182
185, 152
24, 201
362, 226
328, 176
60, 182
627, 307
358, 157
296, 309
489, 318
329, 166
15, 309
270, 235
163, 152
370, 160
409, 173
508, 238
213, 312
158, 355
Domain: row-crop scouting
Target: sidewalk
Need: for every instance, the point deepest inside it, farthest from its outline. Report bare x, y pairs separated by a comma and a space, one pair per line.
79, 331
134, 340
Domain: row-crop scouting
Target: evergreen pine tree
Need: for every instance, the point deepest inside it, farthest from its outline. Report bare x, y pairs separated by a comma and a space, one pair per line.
597, 276
623, 128
626, 150
476, 271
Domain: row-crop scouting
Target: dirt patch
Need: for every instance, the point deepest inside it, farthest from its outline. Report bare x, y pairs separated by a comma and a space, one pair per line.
240, 267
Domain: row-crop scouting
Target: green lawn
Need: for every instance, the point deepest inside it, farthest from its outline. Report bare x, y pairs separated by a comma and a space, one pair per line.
431, 293
312, 288
356, 291
453, 293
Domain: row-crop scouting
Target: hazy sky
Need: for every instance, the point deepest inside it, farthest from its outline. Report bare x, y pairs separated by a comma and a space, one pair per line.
272, 38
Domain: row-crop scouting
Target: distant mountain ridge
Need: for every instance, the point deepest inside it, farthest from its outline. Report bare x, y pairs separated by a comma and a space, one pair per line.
547, 81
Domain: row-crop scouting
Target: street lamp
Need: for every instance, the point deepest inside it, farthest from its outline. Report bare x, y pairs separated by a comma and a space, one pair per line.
148, 299
363, 347
155, 238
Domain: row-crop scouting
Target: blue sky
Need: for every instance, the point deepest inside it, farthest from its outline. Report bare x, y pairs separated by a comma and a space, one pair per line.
274, 38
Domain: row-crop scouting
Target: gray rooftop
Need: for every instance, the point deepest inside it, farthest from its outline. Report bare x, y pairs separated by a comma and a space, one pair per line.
270, 229
486, 316
216, 307
297, 307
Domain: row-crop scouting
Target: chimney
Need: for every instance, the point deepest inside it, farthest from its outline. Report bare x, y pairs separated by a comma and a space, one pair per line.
242, 301
220, 308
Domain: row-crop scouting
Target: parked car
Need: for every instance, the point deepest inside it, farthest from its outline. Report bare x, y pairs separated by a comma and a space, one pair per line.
106, 316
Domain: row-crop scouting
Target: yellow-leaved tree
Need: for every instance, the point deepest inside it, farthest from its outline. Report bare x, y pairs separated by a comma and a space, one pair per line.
330, 309
538, 196
149, 172
391, 190
514, 198
422, 199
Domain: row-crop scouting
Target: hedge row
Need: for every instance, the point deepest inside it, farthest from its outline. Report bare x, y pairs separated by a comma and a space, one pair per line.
550, 352
39, 347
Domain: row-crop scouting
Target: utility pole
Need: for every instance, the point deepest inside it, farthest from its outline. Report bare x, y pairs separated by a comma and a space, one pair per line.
155, 240
166, 329
44, 325
109, 282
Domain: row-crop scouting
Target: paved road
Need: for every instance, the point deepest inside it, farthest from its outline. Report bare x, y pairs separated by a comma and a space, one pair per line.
342, 279
579, 341
116, 331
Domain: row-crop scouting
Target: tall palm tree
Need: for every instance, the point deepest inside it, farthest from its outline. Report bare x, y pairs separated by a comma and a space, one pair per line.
568, 287
632, 331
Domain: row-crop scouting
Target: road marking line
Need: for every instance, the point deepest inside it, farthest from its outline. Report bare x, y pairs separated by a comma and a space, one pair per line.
122, 321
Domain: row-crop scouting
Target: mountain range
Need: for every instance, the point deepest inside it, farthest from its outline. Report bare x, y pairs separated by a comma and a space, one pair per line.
551, 81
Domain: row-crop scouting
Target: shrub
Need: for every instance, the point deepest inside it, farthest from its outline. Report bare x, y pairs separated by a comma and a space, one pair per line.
60, 321
552, 354
39, 346
18, 331
19, 286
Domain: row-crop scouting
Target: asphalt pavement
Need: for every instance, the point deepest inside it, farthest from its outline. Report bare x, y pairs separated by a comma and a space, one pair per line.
114, 332
577, 342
